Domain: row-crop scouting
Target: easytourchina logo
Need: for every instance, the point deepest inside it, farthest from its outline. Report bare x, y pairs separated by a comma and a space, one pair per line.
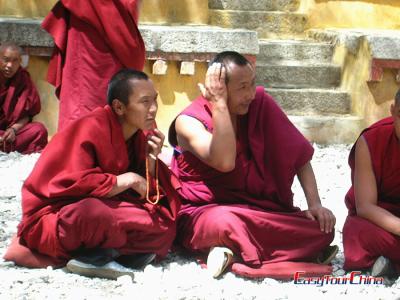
354, 277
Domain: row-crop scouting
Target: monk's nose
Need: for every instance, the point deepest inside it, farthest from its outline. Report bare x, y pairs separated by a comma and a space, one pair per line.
153, 108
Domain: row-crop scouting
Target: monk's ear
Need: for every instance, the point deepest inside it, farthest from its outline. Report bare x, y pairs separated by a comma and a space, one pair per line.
392, 109
118, 107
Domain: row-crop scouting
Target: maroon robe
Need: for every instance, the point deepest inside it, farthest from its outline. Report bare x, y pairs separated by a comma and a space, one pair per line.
19, 99
250, 209
64, 202
364, 241
93, 40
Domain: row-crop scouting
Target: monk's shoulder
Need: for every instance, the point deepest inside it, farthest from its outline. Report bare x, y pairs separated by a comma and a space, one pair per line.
382, 129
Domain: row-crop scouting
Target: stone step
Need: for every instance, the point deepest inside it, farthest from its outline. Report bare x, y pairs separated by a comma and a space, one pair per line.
267, 24
261, 5
333, 129
312, 101
295, 74
272, 50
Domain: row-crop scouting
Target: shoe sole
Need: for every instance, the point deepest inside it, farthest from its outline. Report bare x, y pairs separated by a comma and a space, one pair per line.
382, 267
333, 252
218, 260
111, 270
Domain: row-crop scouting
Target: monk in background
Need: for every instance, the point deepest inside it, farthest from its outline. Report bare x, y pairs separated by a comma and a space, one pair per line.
236, 154
371, 233
98, 198
19, 103
93, 40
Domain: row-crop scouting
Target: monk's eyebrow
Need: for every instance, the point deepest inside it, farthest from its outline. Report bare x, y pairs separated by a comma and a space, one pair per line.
147, 97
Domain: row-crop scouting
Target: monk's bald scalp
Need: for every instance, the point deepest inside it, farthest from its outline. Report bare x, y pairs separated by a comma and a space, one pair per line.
122, 85
11, 46
230, 57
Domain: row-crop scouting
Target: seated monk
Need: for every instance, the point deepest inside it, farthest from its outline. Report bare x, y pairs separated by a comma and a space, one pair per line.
371, 233
98, 197
19, 102
236, 154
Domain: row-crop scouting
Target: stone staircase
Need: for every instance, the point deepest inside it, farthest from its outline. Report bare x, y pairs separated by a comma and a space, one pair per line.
270, 18
298, 73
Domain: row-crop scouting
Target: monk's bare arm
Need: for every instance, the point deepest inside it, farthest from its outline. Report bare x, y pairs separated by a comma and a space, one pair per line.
315, 210
366, 193
218, 149
20, 123
126, 181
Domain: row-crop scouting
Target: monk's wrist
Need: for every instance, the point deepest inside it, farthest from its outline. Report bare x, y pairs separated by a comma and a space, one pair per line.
14, 130
220, 106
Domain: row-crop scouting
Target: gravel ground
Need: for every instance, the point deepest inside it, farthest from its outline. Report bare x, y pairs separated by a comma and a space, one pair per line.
177, 277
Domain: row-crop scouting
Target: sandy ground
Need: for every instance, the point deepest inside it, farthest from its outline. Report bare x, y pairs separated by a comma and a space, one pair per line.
177, 277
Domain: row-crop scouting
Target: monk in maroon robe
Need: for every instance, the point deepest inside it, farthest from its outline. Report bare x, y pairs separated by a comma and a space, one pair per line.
93, 40
236, 154
371, 233
98, 193
19, 103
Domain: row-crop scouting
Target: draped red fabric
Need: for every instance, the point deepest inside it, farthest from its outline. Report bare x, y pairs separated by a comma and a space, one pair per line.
250, 209
93, 40
363, 241
63, 199
19, 99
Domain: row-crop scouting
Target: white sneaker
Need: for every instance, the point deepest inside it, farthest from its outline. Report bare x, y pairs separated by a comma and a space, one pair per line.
383, 267
218, 260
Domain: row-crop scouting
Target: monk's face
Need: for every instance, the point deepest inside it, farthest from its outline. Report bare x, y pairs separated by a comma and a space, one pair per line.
140, 112
10, 61
395, 111
241, 88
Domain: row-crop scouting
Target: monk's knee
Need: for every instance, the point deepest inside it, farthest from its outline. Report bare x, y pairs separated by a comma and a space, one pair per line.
220, 221
41, 131
85, 222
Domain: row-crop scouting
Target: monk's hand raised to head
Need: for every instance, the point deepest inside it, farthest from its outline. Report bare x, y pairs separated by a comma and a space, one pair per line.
215, 86
155, 141
323, 215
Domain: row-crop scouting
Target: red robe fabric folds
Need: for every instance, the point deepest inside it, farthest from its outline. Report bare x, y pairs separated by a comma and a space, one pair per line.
364, 241
64, 200
19, 99
250, 210
93, 40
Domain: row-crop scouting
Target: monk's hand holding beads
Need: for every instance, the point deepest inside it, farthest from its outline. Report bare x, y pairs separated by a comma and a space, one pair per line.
215, 89
155, 142
323, 215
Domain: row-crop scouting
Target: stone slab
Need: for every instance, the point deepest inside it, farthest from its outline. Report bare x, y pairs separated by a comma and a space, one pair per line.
267, 24
272, 50
384, 44
295, 74
161, 39
312, 101
340, 129
260, 5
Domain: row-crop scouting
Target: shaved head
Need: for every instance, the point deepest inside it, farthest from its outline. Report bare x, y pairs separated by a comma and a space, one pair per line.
10, 59
11, 46
228, 58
